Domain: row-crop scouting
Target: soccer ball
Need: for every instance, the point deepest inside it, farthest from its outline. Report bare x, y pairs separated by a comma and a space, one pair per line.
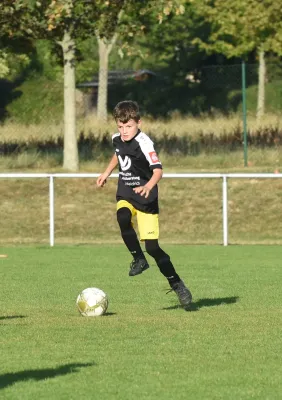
92, 302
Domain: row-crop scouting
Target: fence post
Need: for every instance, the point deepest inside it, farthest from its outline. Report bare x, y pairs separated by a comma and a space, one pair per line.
244, 113
51, 208
225, 211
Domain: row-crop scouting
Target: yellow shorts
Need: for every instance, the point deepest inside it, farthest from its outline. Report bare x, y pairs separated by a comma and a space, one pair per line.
148, 224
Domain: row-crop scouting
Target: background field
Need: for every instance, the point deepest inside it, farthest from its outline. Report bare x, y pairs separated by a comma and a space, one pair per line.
227, 347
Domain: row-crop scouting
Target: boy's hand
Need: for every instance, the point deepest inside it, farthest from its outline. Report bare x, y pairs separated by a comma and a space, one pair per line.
143, 191
102, 180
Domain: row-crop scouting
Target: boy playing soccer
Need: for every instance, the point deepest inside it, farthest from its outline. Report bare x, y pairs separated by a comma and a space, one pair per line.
137, 195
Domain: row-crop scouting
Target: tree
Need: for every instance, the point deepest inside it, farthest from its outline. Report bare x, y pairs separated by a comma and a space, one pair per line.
53, 20
15, 43
61, 21
106, 39
239, 27
125, 19
64, 21
170, 44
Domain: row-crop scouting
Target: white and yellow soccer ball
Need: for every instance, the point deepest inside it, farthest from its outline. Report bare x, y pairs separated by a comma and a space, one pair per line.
92, 302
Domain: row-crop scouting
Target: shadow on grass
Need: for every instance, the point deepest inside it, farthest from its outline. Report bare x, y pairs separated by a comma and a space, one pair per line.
195, 306
40, 374
109, 314
12, 317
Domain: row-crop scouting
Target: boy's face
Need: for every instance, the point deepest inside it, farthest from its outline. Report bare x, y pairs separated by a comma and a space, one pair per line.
128, 129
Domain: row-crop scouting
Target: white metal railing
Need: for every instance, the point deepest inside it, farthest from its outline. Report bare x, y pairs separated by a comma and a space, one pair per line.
224, 178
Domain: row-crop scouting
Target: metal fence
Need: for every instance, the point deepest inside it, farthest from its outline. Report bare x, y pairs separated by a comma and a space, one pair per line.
224, 197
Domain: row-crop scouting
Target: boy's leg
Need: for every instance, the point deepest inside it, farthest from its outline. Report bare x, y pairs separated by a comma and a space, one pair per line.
167, 269
148, 225
163, 260
124, 216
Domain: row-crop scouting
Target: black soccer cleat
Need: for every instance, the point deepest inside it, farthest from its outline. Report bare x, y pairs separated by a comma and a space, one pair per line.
138, 266
183, 293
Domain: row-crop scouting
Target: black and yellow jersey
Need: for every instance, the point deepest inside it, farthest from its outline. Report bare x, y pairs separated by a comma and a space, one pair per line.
137, 159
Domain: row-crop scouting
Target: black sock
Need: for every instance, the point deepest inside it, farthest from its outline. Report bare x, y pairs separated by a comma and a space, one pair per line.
167, 269
132, 243
163, 261
128, 233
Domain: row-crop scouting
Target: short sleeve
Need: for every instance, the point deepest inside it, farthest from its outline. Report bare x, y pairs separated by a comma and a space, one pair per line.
147, 147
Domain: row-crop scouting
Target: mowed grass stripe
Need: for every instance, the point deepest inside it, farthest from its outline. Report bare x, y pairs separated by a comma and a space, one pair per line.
227, 347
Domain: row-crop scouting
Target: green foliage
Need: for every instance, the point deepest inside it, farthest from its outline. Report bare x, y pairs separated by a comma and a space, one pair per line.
4, 69
273, 96
12, 64
37, 100
87, 59
239, 27
48, 60
15, 43
165, 48
169, 45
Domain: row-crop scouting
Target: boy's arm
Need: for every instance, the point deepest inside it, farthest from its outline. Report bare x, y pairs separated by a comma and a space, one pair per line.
102, 179
145, 190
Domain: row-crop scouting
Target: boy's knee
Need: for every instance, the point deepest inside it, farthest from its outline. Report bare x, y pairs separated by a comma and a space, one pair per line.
124, 217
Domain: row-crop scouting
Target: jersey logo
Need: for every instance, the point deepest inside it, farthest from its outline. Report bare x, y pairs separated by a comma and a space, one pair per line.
154, 157
125, 163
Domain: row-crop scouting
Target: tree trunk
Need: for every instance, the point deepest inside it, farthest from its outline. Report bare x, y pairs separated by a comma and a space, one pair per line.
71, 162
102, 101
261, 86
105, 48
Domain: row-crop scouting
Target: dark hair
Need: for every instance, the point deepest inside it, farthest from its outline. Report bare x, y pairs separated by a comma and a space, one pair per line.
126, 110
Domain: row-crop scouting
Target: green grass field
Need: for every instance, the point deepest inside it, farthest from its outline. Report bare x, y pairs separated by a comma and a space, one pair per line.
227, 347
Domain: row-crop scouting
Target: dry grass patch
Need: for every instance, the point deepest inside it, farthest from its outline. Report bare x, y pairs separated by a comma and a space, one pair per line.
180, 127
